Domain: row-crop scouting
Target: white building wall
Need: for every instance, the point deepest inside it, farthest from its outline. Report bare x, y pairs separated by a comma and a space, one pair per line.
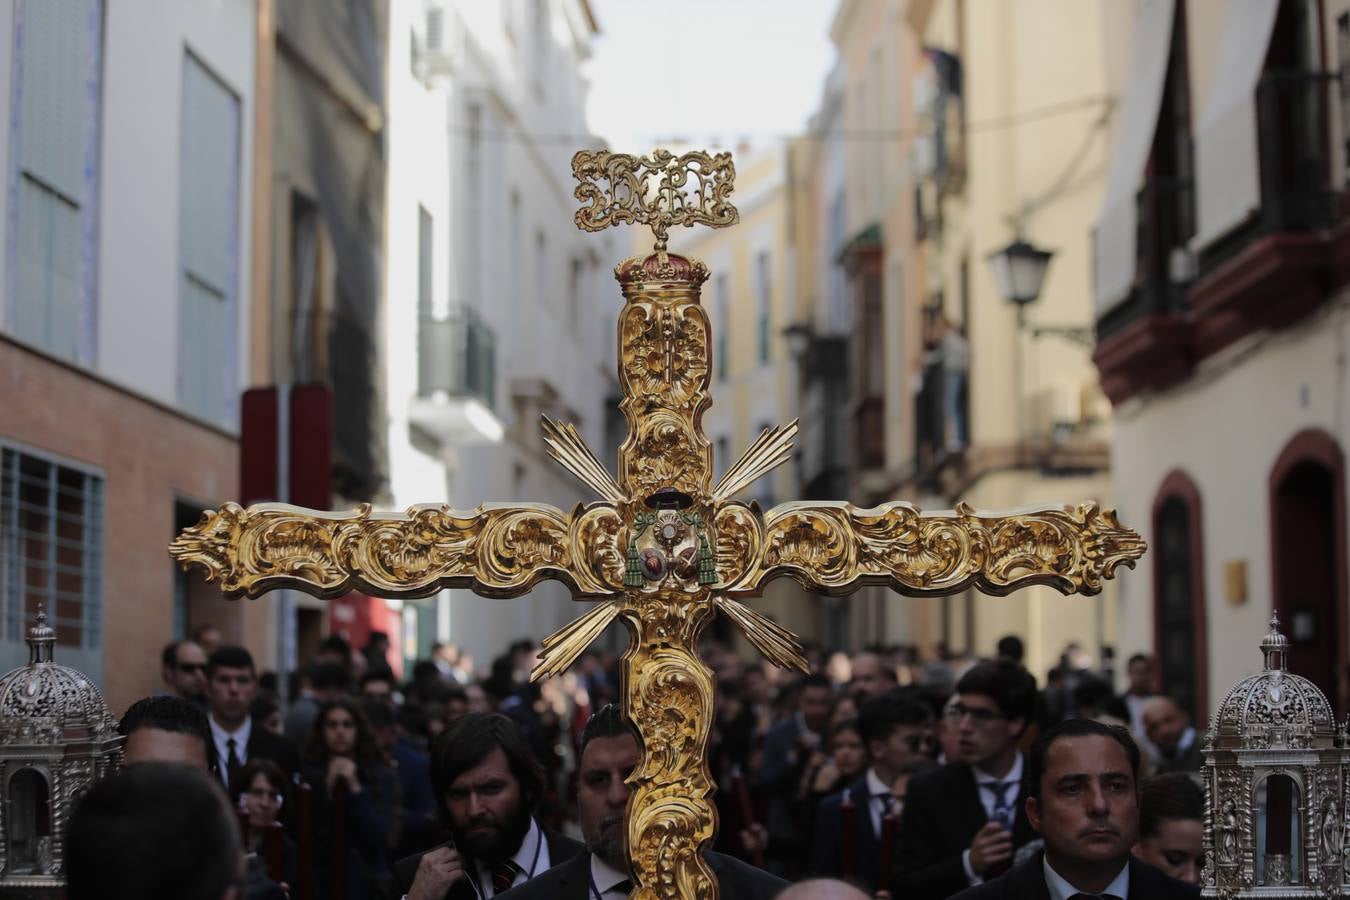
138, 255
531, 108
1291, 381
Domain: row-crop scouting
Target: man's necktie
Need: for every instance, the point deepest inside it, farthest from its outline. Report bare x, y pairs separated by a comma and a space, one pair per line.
232, 763
623, 887
887, 802
1003, 801
503, 876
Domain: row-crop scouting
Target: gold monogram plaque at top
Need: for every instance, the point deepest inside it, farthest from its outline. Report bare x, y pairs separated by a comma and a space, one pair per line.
664, 549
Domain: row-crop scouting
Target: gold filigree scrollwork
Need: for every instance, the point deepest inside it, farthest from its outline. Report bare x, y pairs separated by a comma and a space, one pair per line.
659, 190
835, 548
497, 550
669, 695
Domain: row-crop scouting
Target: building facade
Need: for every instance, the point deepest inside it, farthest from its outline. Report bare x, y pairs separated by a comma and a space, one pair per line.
750, 297
1011, 113
1221, 314
500, 310
125, 306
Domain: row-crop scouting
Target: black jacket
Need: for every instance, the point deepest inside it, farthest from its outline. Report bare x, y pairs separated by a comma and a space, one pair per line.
572, 881
1027, 882
263, 744
943, 812
827, 848
560, 850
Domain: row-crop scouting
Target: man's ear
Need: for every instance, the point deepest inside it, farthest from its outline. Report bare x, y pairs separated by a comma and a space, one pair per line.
1034, 814
1019, 725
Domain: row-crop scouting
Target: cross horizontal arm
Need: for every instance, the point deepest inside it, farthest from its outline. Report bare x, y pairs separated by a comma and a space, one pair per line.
496, 550
836, 548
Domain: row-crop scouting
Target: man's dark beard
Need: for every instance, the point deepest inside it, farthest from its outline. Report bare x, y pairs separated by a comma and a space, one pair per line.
609, 844
502, 844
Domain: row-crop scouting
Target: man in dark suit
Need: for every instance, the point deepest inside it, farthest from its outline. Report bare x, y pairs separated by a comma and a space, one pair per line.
231, 685
1170, 730
961, 824
609, 753
1085, 804
788, 748
487, 784
898, 734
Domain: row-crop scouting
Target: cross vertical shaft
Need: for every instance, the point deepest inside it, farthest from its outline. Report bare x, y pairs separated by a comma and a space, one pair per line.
667, 690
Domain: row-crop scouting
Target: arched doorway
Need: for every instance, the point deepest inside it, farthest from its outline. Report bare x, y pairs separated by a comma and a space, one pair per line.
1307, 519
1179, 635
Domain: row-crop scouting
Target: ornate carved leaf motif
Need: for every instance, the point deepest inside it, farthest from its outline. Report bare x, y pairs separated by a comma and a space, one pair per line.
837, 548
660, 190
498, 550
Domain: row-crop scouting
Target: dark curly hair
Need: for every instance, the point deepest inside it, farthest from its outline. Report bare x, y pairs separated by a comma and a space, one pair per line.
367, 752
467, 741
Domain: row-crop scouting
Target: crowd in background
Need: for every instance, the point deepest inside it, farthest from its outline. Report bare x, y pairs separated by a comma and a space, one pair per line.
836, 773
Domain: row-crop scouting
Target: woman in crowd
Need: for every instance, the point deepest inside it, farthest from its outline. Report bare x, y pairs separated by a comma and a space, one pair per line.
261, 794
351, 779
1171, 825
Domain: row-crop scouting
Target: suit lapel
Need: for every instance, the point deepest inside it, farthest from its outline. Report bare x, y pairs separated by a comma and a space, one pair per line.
862, 805
967, 793
575, 878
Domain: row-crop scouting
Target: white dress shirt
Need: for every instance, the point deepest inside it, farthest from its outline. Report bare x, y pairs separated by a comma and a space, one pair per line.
1062, 890
987, 799
605, 879
878, 806
531, 859
220, 737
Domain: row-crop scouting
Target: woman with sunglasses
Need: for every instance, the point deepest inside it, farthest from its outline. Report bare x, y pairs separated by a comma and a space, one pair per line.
344, 765
261, 794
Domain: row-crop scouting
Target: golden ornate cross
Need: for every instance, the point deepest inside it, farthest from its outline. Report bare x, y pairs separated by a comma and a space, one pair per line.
664, 548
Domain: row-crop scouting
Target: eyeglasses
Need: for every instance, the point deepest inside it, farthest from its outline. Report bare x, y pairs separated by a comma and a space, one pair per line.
190, 668
979, 716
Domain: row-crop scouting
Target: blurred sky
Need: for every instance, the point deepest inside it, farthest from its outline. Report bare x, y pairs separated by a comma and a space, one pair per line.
712, 72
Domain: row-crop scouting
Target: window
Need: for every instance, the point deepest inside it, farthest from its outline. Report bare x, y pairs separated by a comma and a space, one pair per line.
1343, 56
1179, 606
763, 305
53, 182
208, 228
722, 334
424, 270
721, 456
574, 277
51, 548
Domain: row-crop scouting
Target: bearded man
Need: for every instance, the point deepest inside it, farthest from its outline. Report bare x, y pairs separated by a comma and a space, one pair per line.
609, 753
487, 785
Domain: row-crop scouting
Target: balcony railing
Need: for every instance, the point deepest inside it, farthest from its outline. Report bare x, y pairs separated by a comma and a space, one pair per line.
1291, 111
456, 357
1164, 222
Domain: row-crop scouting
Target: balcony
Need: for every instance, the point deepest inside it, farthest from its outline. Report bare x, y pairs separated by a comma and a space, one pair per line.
456, 380
1266, 274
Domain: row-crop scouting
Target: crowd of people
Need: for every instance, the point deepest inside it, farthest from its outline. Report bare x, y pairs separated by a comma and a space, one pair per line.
876, 774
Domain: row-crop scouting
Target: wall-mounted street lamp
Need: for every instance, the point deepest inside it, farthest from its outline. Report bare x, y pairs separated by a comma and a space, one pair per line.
1019, 272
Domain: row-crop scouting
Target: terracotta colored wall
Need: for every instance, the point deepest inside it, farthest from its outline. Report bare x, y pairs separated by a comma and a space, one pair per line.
149, 456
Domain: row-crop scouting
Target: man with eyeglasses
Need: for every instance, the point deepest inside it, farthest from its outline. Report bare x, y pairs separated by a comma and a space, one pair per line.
962, 823
897, 733
183, 668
